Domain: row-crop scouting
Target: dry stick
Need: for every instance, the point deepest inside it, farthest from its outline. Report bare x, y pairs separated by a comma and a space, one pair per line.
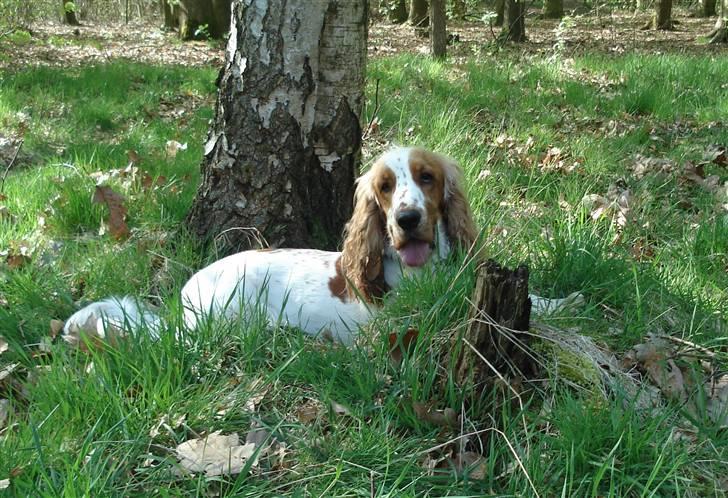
704, 350
481, 431
376, 107
10, 165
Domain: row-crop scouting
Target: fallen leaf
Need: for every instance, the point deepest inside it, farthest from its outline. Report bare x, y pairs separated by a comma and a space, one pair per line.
3, 345
470, 463
426, 413
133, 156
340, 409
7, 370
397, 347
173, 146
56, 328
117, 210
214, 455
308, 412
717, 154
4, 411
4, 483
258, 389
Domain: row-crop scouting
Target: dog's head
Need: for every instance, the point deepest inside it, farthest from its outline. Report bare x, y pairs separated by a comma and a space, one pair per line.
408, 198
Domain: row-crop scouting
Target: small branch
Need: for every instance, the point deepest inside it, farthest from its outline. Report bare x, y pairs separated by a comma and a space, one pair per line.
10, 165
376, 108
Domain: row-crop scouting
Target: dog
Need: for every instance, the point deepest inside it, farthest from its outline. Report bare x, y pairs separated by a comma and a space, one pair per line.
410, 212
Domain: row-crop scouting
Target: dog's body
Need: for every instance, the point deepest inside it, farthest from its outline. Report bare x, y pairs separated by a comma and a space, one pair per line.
410, 212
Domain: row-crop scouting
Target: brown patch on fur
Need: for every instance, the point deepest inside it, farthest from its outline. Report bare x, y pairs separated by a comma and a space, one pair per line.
424, 162
454, 206
337, 283
361, 255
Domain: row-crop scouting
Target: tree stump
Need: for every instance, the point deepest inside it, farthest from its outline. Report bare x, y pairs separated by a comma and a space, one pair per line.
501, 307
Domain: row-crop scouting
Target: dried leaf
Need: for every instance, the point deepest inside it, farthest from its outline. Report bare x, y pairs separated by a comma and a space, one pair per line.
308, 412
397, 348
4, 483
3, 345
117, 210
258, 389
173, 146
717, 154
470, 463
7, 370
340, 409
56, 328
214, 455
444, 418
4, 411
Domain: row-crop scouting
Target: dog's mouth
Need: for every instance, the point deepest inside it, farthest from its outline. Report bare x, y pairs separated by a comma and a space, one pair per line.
415, 252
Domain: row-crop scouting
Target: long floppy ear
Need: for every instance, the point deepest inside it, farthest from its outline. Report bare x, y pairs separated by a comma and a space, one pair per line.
361, 256
461, 228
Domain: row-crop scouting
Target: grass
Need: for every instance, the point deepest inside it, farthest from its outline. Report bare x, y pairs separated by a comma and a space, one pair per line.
85, 431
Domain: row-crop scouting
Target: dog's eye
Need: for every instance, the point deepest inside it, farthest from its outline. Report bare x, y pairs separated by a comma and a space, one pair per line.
426, 178
386, 188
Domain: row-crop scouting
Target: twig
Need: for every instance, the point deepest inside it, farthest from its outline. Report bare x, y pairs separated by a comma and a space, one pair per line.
376, 107
692, 345
10, 165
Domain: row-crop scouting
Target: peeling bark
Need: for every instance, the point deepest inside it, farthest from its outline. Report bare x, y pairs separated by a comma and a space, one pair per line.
283, 151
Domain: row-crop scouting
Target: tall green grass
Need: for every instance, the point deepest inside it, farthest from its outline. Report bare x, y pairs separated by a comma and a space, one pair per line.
84, 420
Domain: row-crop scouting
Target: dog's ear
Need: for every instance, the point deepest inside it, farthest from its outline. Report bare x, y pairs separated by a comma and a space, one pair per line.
361, 258
459, 221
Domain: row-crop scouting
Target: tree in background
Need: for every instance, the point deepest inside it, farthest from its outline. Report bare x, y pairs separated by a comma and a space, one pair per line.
69, 13
708, 8
396, 11
284, 147
553, 9
419, 15
720, 32
197, 18
438, 28
500, 9
663, 14
514, 24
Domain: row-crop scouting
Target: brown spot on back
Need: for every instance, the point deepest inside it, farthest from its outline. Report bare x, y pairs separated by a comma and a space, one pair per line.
337, 283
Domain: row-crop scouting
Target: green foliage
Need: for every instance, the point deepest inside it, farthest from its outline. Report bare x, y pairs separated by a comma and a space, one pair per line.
69, 7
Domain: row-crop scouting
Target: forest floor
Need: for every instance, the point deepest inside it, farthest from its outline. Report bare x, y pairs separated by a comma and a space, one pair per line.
600, 162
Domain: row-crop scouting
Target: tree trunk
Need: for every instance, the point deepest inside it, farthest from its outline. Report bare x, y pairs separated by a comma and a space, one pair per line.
501, 306
220, 18
500, 8
170, 15
708, 8
201, 18
663, 14
283, 150
720, 32
438, 28
69, 13
418, 15
514, 28
553, 9
397, 11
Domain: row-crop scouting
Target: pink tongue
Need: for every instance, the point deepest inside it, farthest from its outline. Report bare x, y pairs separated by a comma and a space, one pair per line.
415, 253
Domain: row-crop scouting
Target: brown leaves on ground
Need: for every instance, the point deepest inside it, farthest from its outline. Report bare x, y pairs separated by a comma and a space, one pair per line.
399, 347
117, 210
684, 373
425, 412
616, 204
216, 454
224, 454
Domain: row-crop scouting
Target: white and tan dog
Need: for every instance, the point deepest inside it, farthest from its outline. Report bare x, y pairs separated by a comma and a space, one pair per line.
410, 210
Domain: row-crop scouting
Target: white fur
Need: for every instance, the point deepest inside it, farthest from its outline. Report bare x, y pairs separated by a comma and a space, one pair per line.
292, 286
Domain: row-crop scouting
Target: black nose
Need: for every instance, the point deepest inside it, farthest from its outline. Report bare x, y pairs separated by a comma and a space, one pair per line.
408, 219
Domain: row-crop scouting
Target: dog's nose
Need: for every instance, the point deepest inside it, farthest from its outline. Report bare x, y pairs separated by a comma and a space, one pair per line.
408, 219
